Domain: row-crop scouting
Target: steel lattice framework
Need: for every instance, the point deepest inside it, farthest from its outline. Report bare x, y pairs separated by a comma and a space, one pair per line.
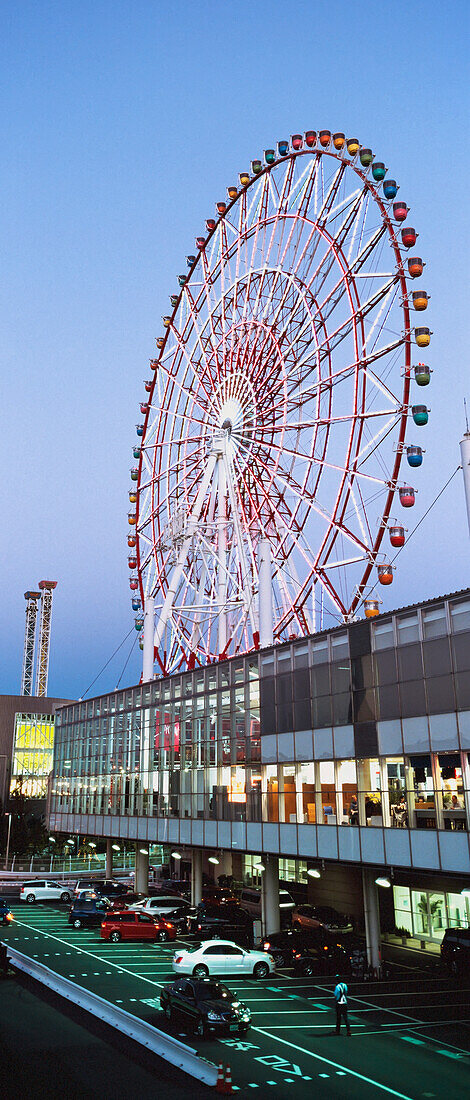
277, 410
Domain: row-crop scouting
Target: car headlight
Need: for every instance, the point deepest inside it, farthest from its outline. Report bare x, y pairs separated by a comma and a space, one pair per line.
214, 1016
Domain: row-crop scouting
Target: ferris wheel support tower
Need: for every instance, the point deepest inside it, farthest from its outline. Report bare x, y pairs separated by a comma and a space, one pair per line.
29, 640
42, 661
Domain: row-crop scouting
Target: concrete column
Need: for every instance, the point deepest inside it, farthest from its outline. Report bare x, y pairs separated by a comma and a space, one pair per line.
265, 595
225, 864
372, 918
385, 795
141, 876
196, 876
318, 801
149, 633
109, 858
270, 912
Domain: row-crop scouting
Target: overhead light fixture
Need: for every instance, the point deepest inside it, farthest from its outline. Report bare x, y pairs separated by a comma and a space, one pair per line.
312, 871
52, 840
91, 844
383, 881
213, 859
176, 855
115, 847
259, 867
144, 851
465, 893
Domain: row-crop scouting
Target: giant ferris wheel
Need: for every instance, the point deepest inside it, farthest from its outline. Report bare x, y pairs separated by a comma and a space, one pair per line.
274, 421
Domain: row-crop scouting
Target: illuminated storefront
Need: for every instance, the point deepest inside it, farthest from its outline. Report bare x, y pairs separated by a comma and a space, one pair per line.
33, 751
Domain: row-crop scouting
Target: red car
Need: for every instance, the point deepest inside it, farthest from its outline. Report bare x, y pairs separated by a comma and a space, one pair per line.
129, 925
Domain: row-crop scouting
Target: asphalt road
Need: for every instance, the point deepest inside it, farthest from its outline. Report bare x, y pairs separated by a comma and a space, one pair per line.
410, 1035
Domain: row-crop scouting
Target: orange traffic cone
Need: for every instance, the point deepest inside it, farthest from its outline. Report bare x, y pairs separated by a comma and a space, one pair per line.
228, 1082
220, 1086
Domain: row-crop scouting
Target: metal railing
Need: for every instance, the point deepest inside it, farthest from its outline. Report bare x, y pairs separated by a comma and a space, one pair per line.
172, 1050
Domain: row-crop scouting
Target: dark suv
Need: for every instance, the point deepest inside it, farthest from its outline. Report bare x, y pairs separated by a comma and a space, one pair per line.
88, 911
455, 951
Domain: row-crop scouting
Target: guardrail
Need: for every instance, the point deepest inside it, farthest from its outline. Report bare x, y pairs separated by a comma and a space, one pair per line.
178, 1054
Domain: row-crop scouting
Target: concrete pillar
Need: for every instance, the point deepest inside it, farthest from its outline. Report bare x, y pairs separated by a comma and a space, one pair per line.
149, 632
109, 858
371, 917
196, 876
225, 864
265, 594
318, 801
141, 876
270, 912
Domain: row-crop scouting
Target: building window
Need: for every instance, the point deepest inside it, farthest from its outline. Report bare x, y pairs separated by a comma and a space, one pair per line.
382, 635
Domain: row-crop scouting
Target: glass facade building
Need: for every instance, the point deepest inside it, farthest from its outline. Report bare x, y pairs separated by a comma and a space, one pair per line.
351, 745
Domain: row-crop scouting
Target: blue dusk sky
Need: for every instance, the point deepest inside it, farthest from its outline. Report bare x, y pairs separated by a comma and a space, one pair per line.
121, 125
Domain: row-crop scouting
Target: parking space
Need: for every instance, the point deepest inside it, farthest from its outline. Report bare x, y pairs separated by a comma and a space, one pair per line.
405, 1039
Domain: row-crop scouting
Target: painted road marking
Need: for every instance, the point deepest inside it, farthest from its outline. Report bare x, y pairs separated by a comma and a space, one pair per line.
335, 1065
83, 951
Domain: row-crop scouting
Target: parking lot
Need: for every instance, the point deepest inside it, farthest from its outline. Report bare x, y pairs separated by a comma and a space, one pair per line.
410, 1034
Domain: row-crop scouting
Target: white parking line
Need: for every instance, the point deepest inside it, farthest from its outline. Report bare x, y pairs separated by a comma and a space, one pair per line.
93, 955
336, 1065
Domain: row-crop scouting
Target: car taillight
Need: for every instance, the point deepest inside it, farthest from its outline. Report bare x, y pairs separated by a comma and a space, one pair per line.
168, 924
9, 916
23, 888
178, 958
266, 946
297, 955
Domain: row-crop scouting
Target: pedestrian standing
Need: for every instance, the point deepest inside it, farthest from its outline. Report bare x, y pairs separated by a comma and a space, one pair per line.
341, 999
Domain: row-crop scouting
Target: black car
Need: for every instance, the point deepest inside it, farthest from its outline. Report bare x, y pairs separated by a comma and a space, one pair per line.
309, 951
204, 1005
87, 912
323, 955
283, 945
227, 921
455, 951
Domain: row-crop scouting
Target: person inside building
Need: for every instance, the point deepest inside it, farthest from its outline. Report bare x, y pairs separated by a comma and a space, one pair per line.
353, 811
400, 813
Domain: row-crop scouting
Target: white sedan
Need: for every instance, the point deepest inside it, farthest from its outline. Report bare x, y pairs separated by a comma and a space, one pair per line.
223, 957
44, 890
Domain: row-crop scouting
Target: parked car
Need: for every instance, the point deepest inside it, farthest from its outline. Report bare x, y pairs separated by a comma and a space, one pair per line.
455, 951
283, 945
205, 1006
178, 886
250, 899
171, 908
130, 925
222, 957
315, 916
44, 890
218, 895
322, 955
6, 914
88, 910
227, 921
106, 887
